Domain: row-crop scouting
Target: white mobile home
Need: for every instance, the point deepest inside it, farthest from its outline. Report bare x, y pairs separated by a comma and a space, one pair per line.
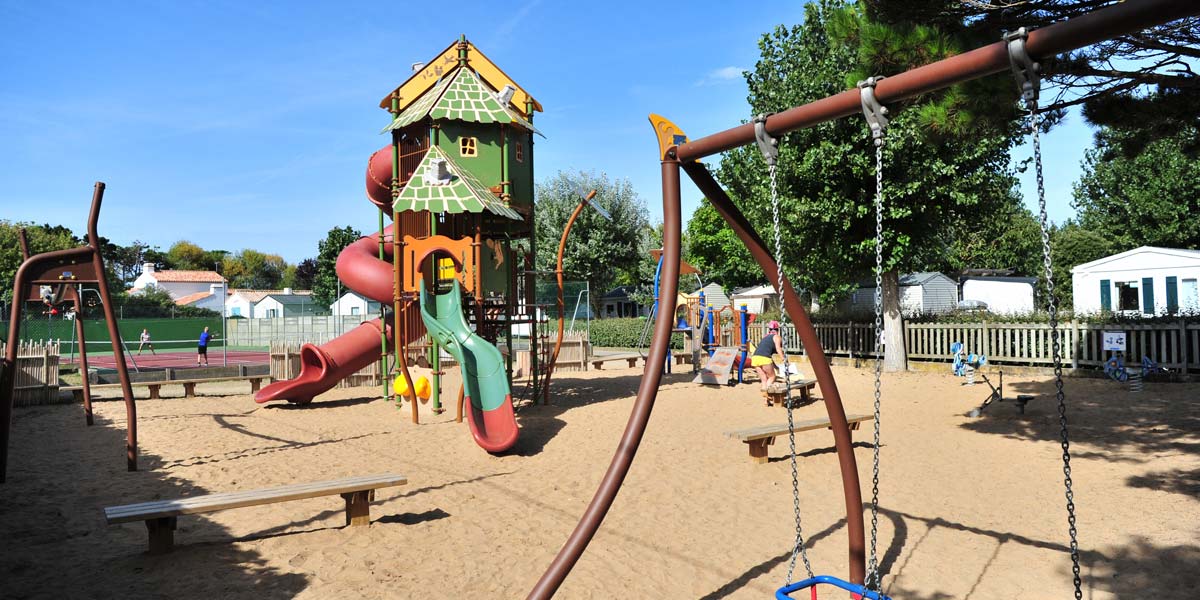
1001, 295
353, 303
756, 299
1145, 280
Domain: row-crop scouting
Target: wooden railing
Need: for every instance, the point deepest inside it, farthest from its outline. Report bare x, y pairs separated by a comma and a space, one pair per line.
1174, 345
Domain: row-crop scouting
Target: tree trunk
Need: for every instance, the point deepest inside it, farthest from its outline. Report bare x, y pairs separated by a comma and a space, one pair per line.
895, 356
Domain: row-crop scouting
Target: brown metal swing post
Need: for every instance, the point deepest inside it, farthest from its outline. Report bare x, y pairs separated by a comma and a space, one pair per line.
816, 357
65, 267
558, 272
1113, 21
640, 415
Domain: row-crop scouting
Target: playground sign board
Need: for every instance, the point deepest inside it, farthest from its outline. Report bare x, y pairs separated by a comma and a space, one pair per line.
1114, 341
718, 368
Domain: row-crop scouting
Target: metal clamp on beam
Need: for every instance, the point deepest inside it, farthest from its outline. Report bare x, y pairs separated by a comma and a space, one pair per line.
1025, 70
875, 112
767, 144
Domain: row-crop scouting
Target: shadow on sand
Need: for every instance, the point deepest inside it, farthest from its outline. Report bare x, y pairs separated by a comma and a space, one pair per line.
540, 423
62, 475
1140, 569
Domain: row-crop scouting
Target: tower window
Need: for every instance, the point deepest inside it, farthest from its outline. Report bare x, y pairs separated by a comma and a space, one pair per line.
520, 152
467, 146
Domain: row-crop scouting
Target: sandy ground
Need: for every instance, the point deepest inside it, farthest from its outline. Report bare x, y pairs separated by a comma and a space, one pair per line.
969, 508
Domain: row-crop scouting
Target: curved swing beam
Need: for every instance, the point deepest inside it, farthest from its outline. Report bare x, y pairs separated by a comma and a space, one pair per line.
677, 151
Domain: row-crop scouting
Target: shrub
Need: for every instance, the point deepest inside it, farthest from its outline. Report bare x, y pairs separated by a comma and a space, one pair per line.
626, 333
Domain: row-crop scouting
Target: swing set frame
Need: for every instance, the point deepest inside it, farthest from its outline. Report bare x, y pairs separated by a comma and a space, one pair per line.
678, 153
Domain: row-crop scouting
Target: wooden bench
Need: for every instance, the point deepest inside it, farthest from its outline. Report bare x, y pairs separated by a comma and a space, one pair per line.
189, 385
598, 361
777, 392
160, 515
758, 438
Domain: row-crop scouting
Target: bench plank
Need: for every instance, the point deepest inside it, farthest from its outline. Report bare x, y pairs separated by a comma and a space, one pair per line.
758, 438
598, 361
213, 502
763, 431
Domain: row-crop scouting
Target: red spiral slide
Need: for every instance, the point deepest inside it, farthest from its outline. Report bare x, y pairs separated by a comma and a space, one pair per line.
321, 367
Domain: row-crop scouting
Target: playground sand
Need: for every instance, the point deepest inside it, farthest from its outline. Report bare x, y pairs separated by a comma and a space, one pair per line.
970, 508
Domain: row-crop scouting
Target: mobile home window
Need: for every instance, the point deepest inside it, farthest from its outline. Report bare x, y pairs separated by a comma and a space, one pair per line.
1189, 295
1127, 295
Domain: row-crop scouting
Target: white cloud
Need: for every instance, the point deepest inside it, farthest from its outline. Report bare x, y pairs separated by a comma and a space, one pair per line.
721, 76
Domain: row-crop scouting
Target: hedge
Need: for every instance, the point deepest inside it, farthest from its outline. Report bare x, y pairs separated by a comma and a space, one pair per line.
626, 333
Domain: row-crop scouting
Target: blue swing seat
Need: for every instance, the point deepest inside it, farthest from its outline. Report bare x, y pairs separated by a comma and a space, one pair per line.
783, 592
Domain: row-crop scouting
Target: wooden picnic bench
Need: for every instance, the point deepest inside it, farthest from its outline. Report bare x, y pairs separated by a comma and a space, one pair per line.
598, 361
160, 515
777, 392
189, 385
758, 438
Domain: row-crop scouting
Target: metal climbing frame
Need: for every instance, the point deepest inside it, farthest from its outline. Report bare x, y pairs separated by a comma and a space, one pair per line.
677, 153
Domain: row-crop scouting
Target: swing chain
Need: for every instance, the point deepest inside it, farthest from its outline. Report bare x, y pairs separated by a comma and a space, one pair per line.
875, 114
1025, 70
769, 146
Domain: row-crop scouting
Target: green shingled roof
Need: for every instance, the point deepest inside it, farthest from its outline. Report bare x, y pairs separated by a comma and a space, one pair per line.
461, 193
461, 97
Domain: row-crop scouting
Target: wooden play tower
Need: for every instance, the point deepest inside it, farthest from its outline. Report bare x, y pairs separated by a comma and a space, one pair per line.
457, 181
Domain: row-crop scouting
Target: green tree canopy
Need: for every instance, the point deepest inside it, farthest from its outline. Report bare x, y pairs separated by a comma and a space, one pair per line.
605, 252
1137, 191
717, 252
185, 255
325, 282
945, 160
943, 165
254, 270
301, 275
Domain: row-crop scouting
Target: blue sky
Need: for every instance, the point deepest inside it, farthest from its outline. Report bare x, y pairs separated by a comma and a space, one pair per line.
248, 124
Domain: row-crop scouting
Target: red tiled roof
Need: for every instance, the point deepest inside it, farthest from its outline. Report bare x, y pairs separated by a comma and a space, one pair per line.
192, 298
187, 276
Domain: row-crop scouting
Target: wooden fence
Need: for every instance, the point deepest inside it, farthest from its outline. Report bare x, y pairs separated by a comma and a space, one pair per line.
36, 372
285, 364
1173, 345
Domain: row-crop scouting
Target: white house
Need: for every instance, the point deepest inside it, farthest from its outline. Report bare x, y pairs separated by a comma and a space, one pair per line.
288, 303
210, 299
920, 293
353, 303
259, 304
714, 296
1145, 280
756, 299
176, 283
1001, 295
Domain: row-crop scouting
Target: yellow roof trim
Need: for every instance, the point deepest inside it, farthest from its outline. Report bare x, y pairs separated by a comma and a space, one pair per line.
420, 82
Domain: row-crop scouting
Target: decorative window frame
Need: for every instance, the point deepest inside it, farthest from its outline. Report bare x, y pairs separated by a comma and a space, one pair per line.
468, 147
